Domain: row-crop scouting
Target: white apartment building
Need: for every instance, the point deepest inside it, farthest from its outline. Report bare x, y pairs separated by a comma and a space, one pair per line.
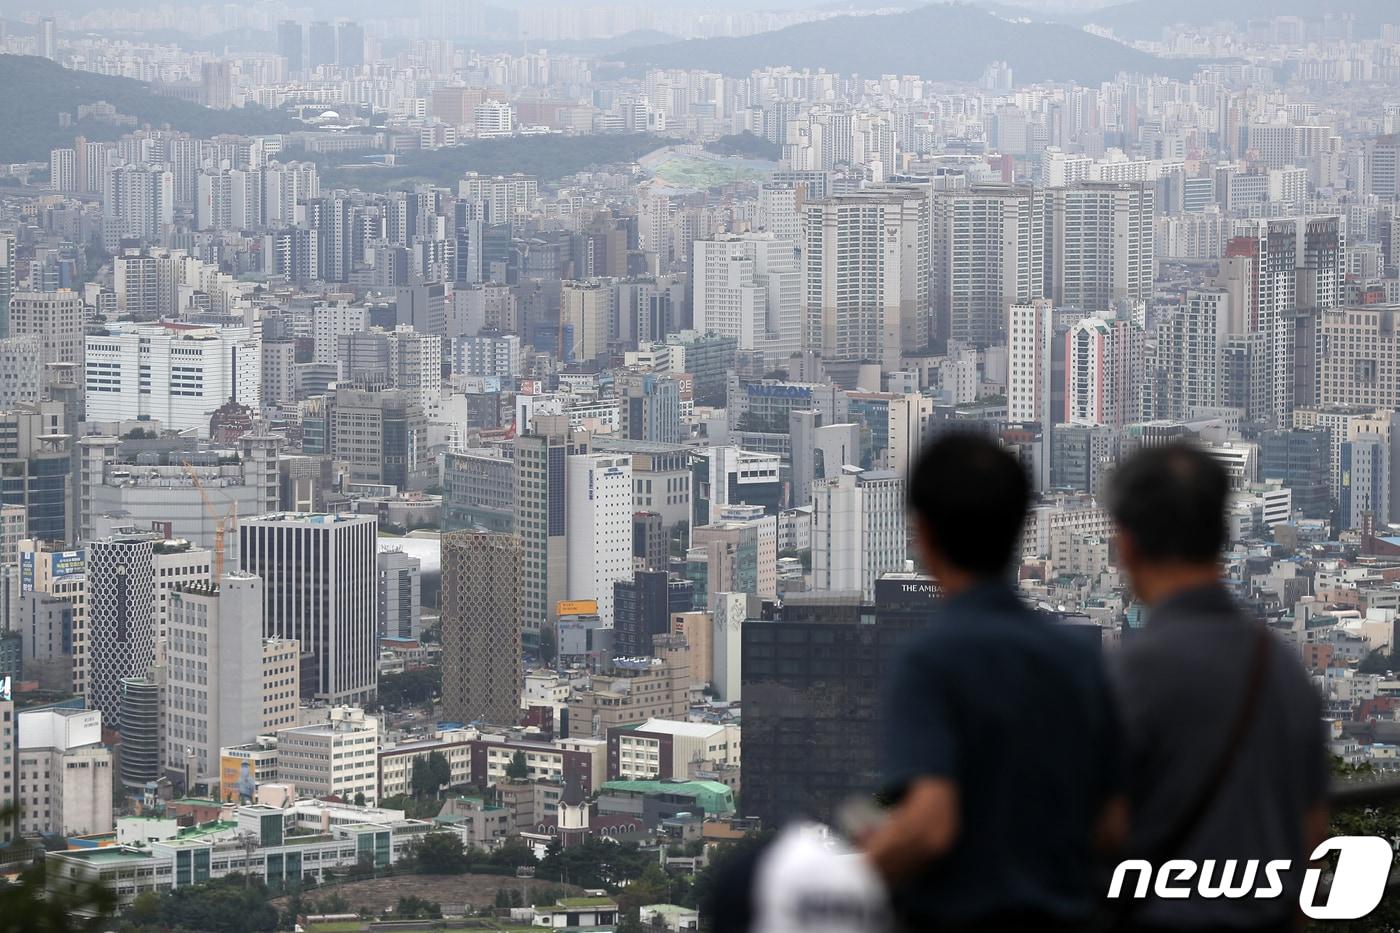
749, 287
858, 530
1103, 372
177, 374
599, 518
867, 275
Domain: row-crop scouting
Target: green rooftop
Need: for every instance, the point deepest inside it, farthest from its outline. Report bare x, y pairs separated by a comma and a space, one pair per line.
714, 797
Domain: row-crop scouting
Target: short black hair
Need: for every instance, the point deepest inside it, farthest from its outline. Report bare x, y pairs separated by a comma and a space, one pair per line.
1171, 500
972, 496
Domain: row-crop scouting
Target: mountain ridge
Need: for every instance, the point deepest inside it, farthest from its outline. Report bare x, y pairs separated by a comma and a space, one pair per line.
38, 90
940, 42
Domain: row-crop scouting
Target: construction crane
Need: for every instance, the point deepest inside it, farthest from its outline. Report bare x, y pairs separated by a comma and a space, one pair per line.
221, 522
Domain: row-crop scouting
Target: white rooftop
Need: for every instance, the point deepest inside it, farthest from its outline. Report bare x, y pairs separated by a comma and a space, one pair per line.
699, 730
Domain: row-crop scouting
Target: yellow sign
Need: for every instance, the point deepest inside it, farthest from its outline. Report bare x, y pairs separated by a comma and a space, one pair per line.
236, 782
577, 607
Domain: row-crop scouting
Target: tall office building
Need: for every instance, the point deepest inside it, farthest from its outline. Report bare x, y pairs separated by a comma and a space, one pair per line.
55, 318
599, 522
7, 282
1365, 482
988, 254
1099, 238
812, 657
48, 38
213, 669
641, 610
381, 436
141, 730
749, 287
319, 577
1103, 372
121, 617
321, 42
349, 45
867, 274
400, 595
858, 530
482, 623
289, 45
650, 407
585, 320
541, 506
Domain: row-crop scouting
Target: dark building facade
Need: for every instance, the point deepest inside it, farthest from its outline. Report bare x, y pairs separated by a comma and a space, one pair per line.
1302, 461
641, 609
814, 670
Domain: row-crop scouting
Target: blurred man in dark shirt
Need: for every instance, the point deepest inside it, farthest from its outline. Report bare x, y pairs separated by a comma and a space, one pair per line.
1226, 755
1001, 751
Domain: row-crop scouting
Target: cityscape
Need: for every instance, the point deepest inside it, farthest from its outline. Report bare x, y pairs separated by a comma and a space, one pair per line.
456, 456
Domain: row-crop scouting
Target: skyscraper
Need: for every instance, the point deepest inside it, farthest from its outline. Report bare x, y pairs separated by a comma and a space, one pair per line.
1103, 372
867, 274
350, 45
214, 670
541, 477
1278, 269
121, 619
289, 45
138, 203
1187, 368
749, 287
599, 521
988, 254
319, 579
48, 38
482, 623
1099, 239
320, 45
7, 282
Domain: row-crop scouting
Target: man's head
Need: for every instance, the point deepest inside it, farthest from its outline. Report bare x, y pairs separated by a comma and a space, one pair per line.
968, 497
1169, 505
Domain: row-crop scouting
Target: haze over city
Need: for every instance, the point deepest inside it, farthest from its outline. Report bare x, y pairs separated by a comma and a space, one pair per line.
627, 466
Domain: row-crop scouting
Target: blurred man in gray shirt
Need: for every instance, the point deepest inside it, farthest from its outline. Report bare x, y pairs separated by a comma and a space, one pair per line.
1226, 753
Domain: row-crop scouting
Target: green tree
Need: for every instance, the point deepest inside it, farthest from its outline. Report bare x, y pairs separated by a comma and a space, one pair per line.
502, 898
440, 854
24, 907
518, 769
224, 905
431, 773
1368, 819
413, 907
653, 886
359, 799
512, 853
